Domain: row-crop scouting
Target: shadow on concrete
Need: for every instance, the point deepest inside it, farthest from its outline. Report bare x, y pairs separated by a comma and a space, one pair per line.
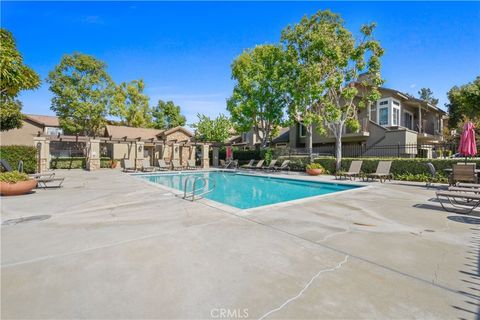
471, 272
464, 219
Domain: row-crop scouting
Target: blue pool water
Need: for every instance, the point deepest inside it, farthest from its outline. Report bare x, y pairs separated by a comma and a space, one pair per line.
247, 191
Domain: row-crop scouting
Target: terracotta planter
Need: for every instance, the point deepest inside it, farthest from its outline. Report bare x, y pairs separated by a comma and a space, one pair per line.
314, 172
15, 189
113, 164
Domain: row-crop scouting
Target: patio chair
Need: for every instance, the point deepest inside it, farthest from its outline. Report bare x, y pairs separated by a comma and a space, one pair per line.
222, 163
383, 172
191, 165
146, 167
249, 165
433, 175
6, 166
463, 173
176, 165
462, 202
44, 181
258, 165
226, 164
128, 166
271, 165
162, 165
283, 166
353, 171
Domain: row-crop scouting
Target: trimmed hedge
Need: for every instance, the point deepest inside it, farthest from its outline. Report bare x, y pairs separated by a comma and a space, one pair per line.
402, 169
76, 163
13, 154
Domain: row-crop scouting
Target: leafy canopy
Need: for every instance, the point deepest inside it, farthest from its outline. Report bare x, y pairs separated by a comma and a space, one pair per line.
130, 104
15, 77
82, 92
464, 102
212, 130
167, 115
426, 94
258, 96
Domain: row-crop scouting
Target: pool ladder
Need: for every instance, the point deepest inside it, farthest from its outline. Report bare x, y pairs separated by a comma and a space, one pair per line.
191, 195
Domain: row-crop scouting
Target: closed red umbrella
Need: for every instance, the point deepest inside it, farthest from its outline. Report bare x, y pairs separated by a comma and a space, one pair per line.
468, 145
229, 152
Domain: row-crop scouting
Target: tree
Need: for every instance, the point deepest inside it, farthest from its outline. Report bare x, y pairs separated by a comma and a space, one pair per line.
258, 96
130, 104
15, 77
324, 68
464, 102
212, 130
426, 94
167, 115
82, 91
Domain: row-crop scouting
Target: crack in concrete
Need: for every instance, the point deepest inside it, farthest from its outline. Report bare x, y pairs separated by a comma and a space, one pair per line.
300, 293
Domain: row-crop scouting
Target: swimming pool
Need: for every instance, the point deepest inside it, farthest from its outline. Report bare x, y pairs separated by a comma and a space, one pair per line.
245, 191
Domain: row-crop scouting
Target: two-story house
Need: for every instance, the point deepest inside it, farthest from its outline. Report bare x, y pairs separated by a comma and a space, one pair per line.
396, 119
32, 125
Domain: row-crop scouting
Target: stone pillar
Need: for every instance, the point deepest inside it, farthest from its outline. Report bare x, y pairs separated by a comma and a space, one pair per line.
139, 149
93, 149
192, 153
43, 153
205, 156
215, 156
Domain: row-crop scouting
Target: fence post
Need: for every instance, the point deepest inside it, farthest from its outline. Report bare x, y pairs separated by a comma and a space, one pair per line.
398, 150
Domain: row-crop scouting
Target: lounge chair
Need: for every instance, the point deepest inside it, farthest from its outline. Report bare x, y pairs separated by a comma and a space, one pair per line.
51, 181
45, 179
353, 171
225, 164
464, 173
162, 165
176, 165
222, 163
191, 165
283, 166
258, 165
128, 166
249, 165
146, 167
383, 172
271, 165
433, 175
465, 202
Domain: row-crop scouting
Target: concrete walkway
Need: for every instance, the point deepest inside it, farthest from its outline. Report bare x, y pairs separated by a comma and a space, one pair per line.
115, 246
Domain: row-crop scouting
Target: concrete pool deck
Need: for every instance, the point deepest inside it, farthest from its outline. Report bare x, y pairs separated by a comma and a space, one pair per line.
118, 247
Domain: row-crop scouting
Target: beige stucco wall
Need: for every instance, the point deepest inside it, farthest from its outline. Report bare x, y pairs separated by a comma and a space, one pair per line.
123, 150
22, 136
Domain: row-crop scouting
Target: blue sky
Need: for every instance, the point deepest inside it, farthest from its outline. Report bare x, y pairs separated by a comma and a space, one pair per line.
183, 50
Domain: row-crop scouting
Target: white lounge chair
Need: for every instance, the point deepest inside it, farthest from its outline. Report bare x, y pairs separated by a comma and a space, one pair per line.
128, 166
162, 165
146, 167
176, 165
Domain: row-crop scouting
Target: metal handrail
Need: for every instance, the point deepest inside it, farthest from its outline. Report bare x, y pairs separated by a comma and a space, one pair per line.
192, 193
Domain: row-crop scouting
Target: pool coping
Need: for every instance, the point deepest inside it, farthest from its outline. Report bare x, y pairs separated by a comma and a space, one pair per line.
235, 210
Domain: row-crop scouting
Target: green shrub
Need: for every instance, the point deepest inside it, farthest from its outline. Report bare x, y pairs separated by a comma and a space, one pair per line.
76, 163
267, 155
314, 165
13, 177
402, 169
13, 154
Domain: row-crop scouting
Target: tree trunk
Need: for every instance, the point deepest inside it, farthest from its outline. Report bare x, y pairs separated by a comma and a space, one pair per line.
338, 146
309, 142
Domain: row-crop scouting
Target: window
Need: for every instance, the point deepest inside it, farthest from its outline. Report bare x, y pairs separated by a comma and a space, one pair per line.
244, 137
53, 131
395, 116
383, 116
302, 130
408, 120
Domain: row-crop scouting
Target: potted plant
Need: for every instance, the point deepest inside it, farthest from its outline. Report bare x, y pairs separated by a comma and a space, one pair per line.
314, 169
113, 163
16, 183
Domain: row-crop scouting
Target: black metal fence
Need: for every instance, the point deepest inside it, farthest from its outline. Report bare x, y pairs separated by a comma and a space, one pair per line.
67, 149
440, 150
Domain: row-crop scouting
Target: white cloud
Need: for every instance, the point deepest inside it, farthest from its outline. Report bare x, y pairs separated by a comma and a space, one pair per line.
413, 85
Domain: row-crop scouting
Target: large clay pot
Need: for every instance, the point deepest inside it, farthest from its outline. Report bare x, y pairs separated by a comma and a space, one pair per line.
18, 188
314, 172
